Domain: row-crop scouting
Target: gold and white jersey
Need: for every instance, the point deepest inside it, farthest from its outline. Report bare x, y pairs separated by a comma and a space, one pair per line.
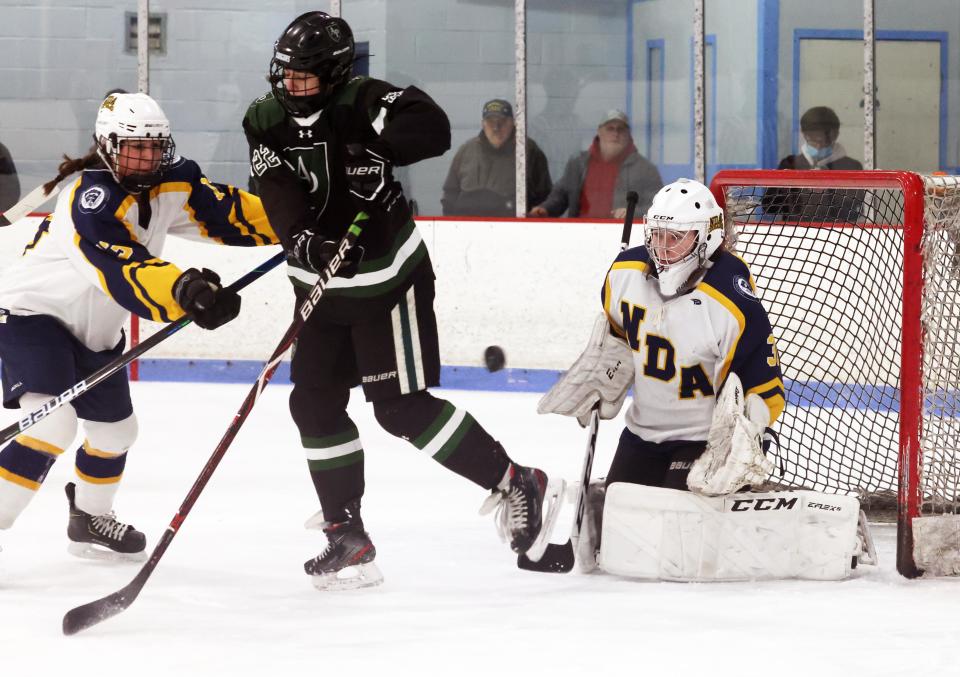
95, 259
684, 346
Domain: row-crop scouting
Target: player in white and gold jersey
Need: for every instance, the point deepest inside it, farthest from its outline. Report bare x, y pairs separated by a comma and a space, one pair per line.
92, 262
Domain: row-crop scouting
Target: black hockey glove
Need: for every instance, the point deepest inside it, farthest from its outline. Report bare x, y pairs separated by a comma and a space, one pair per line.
200, 294
312, 251
370, 179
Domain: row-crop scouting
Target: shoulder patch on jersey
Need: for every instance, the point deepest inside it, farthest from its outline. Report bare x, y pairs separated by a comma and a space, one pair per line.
742, 285
264, 112
93, 199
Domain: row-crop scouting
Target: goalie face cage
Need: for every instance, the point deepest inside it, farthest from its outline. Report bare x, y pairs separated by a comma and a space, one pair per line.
860, 274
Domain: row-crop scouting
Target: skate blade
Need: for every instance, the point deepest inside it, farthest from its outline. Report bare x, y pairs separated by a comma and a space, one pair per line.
552, 500
349, 578
96, 552
315, 521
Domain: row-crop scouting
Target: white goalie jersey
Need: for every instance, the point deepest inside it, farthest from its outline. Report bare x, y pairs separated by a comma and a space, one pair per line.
684, 346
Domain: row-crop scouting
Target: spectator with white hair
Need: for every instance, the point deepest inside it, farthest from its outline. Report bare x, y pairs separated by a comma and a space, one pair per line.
596, 181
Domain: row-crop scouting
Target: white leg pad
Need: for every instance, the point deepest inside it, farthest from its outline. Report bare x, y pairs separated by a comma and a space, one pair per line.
114, 438
13, 500
56, 429
665, 534
106, 440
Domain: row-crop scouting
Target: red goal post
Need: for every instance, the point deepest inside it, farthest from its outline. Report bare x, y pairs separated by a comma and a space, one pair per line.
860, 273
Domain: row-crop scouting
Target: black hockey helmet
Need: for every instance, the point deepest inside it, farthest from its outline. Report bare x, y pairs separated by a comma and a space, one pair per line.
316, 43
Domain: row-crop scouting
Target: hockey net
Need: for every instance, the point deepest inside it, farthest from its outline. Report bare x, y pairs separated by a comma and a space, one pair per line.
860, 274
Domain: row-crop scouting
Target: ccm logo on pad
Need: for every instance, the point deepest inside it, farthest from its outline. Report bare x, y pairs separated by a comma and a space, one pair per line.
779, 503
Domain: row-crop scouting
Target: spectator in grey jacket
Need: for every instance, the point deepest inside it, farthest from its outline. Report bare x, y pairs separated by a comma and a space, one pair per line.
482, 178
9, 183
596, 182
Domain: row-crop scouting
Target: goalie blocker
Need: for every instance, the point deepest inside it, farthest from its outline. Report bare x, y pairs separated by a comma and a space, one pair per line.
666, 534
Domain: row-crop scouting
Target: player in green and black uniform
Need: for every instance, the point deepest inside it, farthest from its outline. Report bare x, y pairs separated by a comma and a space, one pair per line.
322, 145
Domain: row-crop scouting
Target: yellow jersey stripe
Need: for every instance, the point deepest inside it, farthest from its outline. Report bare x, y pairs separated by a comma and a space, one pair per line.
38, 445
103, 281
18, 480
98, 480
769, 385
630, 265
254, 214
776, 404
91, 451
184, 187
152, 282
121, 215
737, 315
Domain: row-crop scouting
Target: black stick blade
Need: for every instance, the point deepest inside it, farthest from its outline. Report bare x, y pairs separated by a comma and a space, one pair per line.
88, 615
557, 559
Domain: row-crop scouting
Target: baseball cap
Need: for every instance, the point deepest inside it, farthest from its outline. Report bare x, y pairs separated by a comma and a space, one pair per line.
613, 114
497, 107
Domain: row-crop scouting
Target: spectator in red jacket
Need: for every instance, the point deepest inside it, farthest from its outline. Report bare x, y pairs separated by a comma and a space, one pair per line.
595, 182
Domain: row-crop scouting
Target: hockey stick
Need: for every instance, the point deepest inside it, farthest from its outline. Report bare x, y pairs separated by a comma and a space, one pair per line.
34, 199
87, 615
109, 370
559, 558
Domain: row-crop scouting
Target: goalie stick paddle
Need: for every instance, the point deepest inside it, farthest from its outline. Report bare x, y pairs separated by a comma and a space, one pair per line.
559, 558
87, 615
33, 200
109, 370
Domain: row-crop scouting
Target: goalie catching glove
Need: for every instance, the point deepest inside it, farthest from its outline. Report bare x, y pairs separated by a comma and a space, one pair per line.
601, 375
734, 455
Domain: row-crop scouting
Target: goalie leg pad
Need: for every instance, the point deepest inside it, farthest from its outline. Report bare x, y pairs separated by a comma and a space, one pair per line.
664, 534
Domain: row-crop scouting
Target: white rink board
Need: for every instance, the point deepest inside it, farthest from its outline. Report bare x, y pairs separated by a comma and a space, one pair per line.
531, 287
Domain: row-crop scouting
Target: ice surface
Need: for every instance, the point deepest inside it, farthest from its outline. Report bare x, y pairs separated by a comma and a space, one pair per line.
230, 596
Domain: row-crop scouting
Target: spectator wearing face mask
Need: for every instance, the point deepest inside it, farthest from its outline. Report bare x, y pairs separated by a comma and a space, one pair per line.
819, 128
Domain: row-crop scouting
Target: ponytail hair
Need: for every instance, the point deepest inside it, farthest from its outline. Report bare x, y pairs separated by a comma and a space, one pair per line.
72, 165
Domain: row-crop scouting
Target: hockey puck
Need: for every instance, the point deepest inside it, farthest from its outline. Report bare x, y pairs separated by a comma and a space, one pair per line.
494, 359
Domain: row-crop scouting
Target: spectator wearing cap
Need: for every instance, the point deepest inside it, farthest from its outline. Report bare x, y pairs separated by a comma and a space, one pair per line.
482, 176
819, 149
595, 182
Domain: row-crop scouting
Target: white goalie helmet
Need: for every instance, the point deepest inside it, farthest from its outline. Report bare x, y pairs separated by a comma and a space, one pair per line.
684, 228
133, 117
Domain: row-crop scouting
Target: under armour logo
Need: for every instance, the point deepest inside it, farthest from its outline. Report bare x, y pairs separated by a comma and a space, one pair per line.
306, 133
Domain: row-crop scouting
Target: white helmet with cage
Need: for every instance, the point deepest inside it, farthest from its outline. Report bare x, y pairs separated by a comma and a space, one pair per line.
127, 117
684, 228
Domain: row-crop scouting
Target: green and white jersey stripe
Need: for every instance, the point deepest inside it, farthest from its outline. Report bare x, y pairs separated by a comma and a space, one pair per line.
444, 435
333, 451
373, 277
406, 343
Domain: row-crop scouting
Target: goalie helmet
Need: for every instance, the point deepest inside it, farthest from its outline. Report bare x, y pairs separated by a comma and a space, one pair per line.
684, 228
315, 43
125, 118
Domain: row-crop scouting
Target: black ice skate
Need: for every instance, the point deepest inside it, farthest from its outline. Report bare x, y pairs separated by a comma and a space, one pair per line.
102, 536
347, 561
526, 505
